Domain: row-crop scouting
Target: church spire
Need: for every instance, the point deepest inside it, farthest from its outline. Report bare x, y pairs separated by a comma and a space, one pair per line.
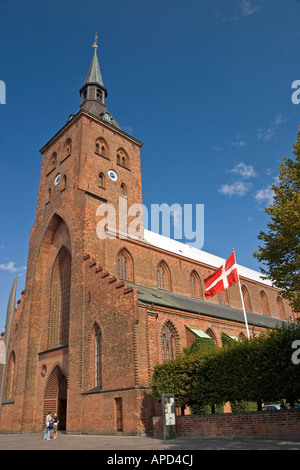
93, 88
93, 92
94, 74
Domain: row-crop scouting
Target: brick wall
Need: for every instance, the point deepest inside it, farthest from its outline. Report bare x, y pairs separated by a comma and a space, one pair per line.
265, 423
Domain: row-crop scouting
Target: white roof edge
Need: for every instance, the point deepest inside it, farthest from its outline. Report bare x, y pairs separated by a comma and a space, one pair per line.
179, 248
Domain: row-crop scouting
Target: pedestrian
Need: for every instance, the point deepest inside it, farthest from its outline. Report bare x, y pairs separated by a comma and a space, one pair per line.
48, 428
55, 423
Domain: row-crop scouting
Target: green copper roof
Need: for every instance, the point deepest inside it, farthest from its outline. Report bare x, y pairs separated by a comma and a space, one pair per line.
94, 73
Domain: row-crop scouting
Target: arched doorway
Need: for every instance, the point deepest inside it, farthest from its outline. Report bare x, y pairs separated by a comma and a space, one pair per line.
55, 397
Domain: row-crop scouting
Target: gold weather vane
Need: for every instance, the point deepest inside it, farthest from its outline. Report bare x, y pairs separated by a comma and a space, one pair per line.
95, 43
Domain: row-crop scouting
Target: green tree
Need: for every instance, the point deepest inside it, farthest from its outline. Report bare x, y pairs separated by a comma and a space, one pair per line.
281, 251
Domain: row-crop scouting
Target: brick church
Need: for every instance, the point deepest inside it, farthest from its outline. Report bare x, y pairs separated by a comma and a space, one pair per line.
98, 313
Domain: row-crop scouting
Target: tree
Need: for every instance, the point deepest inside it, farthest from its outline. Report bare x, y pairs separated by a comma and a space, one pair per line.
281, 250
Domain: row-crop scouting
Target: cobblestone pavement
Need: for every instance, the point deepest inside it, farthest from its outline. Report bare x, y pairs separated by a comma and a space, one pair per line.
65, 441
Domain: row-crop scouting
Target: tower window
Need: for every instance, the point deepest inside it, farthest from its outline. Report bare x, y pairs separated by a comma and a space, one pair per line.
195, 285
123, 190
98, 94
101, 180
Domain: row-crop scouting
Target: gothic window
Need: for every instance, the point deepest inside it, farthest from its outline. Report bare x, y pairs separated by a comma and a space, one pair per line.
195, 285
123, 190
125, 268
265, 303
53, 161
10, 376
223, 297
168, 341
163, 276
58, 332
212, 335
246, 298
100, 148
96, 357
101, 180
49, 195
122, 159
64, 183
280, 307
68, 148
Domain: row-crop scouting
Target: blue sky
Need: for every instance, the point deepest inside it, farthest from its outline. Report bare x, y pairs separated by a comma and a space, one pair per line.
206, 85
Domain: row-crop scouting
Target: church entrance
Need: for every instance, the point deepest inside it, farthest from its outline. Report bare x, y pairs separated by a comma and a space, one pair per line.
55, 397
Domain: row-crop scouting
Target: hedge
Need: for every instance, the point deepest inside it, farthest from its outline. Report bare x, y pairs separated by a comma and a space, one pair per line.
250, 371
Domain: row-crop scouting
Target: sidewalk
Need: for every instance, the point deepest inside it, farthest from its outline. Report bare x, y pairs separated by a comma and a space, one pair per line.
65, 441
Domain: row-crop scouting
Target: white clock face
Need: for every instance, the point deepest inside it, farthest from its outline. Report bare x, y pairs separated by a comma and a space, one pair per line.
57, 179
107, 117
113, 175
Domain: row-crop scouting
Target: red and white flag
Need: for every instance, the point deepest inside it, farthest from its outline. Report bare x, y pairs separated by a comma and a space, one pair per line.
223, 278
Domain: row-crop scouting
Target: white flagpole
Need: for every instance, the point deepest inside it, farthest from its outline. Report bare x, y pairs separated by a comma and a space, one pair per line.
242, 299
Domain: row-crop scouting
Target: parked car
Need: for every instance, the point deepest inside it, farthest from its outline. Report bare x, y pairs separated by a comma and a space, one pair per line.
273, 407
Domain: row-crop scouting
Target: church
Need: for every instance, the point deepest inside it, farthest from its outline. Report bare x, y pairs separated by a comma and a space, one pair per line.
99, 310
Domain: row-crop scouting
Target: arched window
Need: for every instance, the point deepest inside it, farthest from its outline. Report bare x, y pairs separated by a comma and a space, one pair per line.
58, 332
101, 180
163, 276
53, 161
223, 297
246, 298
10, 378
212, 335
122, 158
96, 358
195, 285
49, 195
265, 303
98, 94
168, 337
67, 148
123, 190
125, 268
64, 183
100, 147
280, 307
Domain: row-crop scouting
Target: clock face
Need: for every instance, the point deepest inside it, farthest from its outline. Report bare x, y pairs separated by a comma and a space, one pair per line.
107, 117
113, 175
57, 179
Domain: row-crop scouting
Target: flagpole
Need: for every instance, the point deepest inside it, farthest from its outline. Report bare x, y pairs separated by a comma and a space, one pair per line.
242, 299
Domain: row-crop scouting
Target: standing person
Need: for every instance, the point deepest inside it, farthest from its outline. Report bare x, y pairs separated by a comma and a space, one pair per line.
47, 431
55, 422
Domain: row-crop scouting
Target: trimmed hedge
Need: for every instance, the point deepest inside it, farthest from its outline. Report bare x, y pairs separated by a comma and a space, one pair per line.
248, 371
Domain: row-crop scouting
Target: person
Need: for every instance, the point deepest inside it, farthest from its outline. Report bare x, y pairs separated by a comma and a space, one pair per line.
47, 431
55, 422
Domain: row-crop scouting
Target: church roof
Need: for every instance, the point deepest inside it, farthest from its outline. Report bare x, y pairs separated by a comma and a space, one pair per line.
94, 73
162, 298
195, 254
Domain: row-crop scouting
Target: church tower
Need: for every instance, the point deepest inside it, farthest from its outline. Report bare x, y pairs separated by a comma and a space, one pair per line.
89, 167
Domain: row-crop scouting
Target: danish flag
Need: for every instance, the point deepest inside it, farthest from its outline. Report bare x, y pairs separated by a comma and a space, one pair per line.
223, 278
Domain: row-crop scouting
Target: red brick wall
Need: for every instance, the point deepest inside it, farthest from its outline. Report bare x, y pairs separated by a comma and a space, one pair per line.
264, 423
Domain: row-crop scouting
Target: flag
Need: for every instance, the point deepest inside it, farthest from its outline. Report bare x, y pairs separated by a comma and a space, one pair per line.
223, 278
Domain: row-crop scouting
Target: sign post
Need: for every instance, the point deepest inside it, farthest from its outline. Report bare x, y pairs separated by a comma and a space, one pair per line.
169, 416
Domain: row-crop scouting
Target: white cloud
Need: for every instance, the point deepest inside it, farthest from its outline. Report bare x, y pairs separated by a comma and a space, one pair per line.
267, 135
270, 133
238, 188
239, 143
246, 8
245, 171
265, 195
11, 267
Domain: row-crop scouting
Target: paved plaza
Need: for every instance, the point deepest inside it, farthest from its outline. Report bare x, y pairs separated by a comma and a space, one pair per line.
122, 443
